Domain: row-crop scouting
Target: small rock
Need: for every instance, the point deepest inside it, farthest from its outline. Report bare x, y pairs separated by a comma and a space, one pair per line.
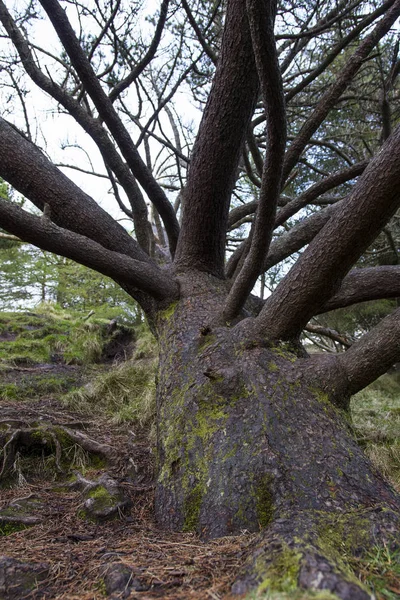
119, 581
105, 500
18, 579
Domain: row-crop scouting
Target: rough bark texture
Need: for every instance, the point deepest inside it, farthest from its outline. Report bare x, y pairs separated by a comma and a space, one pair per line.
220, 139
252, 437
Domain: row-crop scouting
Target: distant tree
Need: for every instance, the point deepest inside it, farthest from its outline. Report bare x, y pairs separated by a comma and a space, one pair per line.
252, 432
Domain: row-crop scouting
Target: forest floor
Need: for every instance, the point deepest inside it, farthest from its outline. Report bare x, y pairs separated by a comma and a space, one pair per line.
75, 552
50, 546
76, 487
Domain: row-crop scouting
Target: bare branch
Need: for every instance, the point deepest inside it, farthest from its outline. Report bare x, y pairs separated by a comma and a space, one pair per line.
334, 92
261, 19
91, 126
150, 54
27, 169
107, 112
344, 42
318, 189
310, 196
11, 238
206, 47
329, 333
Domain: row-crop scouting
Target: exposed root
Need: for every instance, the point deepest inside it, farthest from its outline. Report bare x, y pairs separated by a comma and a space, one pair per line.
88, 444
46, 440
315, 551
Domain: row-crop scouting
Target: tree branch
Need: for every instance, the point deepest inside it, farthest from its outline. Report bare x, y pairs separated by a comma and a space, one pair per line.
318, 189
318, 273
334, 92
329, 333
11, 238
344, 42
48, 236
207, 49
307, 197
27, 169
363, 285
92, 127
108, 114
150, 54
373, 355
297, 237
213, 168
261, 20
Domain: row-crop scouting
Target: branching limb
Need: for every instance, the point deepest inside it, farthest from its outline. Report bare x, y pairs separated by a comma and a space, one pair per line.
302, 233
109, 115
344, 43
90, 125
362, 285
150, 54
261, 20
213, 169
297, 237
206, 47
48, 236
27, 169
310, 196
319, 188
374, 354
344, 78
329, 333
320, 270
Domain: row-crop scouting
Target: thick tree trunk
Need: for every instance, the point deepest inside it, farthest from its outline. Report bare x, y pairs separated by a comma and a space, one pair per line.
248, 440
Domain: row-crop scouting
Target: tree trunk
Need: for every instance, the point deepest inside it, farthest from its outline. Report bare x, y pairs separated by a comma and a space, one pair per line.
248, 440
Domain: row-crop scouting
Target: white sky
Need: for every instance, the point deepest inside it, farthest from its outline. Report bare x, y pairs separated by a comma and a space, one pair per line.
62, 139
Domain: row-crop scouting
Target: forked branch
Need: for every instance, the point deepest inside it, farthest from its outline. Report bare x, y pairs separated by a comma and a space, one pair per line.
109, 115
320, 270
148, 57
27, 169
261, 19
343, 80
89, 124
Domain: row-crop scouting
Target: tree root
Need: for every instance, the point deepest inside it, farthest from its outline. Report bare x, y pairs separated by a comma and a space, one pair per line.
46, 440
316, 552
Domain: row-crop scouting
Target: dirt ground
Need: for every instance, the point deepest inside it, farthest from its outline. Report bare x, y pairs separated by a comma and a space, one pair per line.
76, 552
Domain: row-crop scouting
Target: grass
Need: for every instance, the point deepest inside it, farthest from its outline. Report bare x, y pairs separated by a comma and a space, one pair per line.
35, 338
376, 419
380, 570
126, 393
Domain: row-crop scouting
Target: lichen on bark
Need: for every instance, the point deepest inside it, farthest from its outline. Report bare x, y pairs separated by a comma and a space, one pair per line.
243, 446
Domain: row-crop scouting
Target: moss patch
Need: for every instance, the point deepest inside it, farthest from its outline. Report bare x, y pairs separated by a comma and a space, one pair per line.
168, 312
281, 574
264, 501
9, 528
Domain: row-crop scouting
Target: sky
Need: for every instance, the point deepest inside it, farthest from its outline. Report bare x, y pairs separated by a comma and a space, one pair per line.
58, 135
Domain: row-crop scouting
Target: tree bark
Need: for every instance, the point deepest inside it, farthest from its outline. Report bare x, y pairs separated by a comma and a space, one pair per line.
252, 437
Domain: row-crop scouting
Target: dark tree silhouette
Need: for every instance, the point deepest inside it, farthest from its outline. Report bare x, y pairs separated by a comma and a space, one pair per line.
253, 434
